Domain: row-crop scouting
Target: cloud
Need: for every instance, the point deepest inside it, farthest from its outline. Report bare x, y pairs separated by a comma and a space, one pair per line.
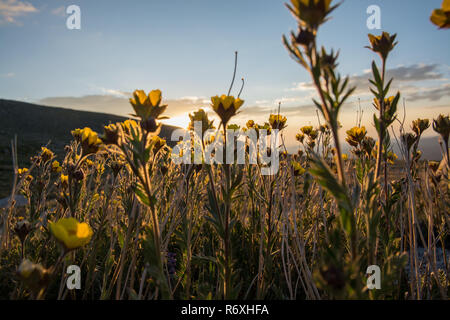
411, 81
117, 102
416, 72
10, 10
7, 75
262, 112
403, 76
60, 11
432, 94
301, 86
116, 93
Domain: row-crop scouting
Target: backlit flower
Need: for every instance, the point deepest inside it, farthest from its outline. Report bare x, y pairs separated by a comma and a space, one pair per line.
233, 127
22, 229
300, 137
441, 17
442, 126
147, 106
64, 180
382, 44
409, 140
388, 104
356, 135
226, 107
202, 117
306, 129
311, 13
434, 165
71, 233
90, 142
35, 276
277, 121
46, 154
298, 169
110, 134
56, 167
305, 37
22, 171
391, 157
367, 145
420, 125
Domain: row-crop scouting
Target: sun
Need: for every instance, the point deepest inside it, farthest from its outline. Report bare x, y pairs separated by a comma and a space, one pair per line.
181, 121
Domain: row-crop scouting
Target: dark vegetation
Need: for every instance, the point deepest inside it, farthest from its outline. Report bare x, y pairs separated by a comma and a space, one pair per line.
36, 125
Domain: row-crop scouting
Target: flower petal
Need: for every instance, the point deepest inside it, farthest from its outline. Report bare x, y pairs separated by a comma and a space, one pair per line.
155, 97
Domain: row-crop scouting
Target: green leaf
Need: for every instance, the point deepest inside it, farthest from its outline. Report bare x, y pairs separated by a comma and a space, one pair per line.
377, 77
328, 181
139, 191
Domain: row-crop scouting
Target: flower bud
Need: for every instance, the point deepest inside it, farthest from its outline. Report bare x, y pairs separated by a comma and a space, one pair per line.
22, 229
149, 125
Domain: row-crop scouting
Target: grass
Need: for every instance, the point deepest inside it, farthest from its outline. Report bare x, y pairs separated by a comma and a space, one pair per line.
140, 226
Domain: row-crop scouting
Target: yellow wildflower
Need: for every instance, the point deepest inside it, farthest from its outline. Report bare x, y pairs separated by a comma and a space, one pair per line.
300, 137
71, 233
441, 17
149, 106
56, 167
46, 154
64, 180
226, 107
356, 135
201, 116
233, 127
311, 13
89, 163
298, 169
442, 126
250, 124
420, 125
306, 129
22, 171
110, 134
391, 157
382, 44
90, 142
277, 121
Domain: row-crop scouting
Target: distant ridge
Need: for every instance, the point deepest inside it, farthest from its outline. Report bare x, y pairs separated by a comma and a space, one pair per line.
35, 125
24, 118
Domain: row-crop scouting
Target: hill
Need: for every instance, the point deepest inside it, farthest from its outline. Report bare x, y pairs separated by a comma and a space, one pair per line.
36, 125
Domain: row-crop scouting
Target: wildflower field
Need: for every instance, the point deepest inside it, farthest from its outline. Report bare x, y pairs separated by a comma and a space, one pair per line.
144, 220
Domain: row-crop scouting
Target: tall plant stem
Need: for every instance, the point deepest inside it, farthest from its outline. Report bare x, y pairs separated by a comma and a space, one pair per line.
227, 245
326, 112
382, 129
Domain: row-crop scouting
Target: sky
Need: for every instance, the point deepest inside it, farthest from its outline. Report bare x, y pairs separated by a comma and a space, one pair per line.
186, 49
